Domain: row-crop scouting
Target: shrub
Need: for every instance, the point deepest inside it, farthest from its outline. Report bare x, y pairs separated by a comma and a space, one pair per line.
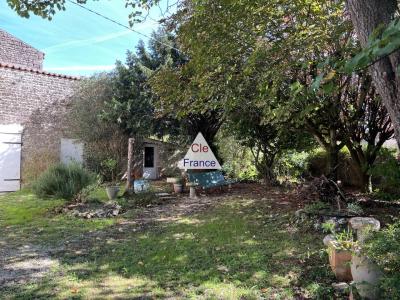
383, 247
63, 181
37, 163
386, 174
291, 164
238, 161
346, 171
103, 139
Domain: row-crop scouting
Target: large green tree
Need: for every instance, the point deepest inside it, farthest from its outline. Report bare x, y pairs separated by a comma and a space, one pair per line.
132, 105
283, 52
368, 16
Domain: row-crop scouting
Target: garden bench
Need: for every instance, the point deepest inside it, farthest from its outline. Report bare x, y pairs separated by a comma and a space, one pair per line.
207, 180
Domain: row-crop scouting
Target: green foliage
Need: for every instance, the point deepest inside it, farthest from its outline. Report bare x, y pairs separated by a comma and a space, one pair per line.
383, 247
63, 181
111, 167
292, 164
102, 139
344, 239
386, 174
132, 105
328, 227
237, 159
48, 8
355, 208
382, 42
315, 207
45, 8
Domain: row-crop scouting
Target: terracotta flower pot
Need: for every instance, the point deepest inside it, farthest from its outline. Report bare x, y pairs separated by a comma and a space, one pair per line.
340, 261
177, 188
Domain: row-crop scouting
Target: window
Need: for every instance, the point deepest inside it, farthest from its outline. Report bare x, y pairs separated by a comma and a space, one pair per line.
149, 157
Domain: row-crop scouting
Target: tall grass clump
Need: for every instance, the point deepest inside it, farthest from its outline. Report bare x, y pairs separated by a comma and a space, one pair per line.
63, 181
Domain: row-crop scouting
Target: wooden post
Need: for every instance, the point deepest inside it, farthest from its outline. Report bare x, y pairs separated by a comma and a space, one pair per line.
129, 182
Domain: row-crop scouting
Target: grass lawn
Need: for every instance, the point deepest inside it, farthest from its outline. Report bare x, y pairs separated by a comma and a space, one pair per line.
238, 248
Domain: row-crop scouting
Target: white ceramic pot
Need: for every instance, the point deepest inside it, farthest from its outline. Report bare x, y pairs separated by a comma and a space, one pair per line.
366, 276
112, 192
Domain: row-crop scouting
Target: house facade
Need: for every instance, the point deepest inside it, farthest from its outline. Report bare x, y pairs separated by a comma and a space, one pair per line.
33, 104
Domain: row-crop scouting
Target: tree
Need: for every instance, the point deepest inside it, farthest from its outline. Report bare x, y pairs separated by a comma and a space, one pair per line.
368, 16
367, 127
48, 8
266, 141
132, 105
283, 53
103, 140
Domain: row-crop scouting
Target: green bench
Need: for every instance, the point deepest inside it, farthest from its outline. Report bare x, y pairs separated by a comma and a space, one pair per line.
208, 180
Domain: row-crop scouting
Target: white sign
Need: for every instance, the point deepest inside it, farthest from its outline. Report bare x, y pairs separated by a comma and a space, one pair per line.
199, 156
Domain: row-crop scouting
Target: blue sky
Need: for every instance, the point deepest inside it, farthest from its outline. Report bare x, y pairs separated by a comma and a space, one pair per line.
76, 41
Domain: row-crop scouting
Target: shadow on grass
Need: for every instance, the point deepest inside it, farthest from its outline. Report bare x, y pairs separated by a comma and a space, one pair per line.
235, 251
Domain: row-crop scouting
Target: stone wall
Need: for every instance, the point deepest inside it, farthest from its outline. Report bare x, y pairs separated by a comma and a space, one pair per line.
16, 52
37, 101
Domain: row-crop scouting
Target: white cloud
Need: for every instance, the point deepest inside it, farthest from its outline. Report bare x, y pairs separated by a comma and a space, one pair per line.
96, 39
83, 42
82, 68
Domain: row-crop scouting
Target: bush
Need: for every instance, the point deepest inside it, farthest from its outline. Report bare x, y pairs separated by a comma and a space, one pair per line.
383, 247
103, 139
63, 181
238, 161
291, 164
386, 174
347, 173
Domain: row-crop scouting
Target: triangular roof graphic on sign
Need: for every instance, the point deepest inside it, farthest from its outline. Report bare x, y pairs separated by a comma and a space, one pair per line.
199, 156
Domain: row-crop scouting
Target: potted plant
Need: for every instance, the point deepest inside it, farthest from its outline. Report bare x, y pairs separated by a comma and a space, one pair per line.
366, 273
112, 188
178, 186
340, 245
172, 175
383, 249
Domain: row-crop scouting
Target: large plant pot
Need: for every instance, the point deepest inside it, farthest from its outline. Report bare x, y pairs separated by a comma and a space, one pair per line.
112, 192
366, 276
178, 188
340, 261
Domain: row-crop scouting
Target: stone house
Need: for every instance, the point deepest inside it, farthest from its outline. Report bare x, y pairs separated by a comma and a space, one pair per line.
32, 105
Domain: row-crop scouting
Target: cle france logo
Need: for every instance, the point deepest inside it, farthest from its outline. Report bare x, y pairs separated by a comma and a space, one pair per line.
199, 156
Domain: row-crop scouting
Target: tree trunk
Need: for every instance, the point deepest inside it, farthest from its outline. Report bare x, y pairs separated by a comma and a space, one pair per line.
269, 176
333, 162
365, 178
129, 179
366, 15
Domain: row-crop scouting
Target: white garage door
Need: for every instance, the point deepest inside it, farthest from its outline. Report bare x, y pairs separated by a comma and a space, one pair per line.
10, 158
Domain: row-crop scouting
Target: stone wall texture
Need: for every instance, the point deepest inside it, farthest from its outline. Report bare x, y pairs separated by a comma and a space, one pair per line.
16, 52
37, 101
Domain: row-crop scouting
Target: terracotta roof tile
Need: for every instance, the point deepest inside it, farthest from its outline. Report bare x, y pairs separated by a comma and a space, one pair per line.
22, 68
